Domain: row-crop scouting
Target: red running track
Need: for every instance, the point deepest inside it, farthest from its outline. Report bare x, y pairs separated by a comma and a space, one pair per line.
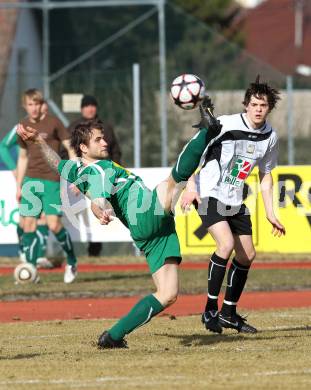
42, 310
4, 270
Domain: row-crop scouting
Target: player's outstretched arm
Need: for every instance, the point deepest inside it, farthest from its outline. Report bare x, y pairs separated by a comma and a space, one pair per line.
51, 157
22, 163
31, 134
102, 210
190, 195
266, 184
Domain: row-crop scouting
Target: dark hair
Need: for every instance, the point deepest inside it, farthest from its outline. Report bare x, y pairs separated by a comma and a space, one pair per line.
259, 90
82, 134
88, 100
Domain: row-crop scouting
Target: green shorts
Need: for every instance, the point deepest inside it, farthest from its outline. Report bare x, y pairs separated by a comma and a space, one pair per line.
153, 230
39, 195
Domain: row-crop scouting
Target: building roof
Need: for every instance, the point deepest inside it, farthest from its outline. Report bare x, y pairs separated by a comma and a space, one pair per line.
271, 29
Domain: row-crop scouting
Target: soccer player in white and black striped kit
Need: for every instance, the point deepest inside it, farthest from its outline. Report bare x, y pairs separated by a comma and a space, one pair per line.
245, 140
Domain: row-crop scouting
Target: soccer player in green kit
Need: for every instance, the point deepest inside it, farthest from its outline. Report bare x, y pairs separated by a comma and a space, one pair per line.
38, 186
147, 214
9, 146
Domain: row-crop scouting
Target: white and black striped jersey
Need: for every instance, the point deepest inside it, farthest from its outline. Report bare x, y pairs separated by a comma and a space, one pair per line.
231, 156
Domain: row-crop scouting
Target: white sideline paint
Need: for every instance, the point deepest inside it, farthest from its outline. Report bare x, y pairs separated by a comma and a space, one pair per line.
47, 336
289, 327
109, 380
283, 372
116, 381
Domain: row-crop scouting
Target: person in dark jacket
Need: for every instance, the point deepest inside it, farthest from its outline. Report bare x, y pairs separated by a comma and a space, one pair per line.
89, 108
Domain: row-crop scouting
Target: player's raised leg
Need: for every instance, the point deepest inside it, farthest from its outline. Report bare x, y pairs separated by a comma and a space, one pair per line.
189, 158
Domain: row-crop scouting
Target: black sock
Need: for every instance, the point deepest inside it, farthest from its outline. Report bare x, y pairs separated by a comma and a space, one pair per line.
216, 274
236, 280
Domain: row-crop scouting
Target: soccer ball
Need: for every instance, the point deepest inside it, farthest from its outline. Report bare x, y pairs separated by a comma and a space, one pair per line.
26, 273
187, 91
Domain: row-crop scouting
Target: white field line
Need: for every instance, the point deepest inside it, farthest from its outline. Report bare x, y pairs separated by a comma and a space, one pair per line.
165, 380
303, 371
287, 315
290, 327
43, 336
101, 380
306, 371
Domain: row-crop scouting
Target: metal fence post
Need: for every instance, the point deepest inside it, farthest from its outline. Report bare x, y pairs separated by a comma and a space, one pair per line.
163, 110
136, 123
45, 49
136, 112
290, 122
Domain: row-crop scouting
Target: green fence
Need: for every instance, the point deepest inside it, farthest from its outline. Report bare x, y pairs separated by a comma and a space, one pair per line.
191, 47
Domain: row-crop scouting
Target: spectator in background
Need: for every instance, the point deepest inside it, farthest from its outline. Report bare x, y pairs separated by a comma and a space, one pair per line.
89, 107
8, 153
36, 181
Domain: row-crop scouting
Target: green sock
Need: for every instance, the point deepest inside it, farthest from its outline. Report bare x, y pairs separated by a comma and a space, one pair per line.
190, 157
140, 314
43, 234
30, 245
20, 233
64, 239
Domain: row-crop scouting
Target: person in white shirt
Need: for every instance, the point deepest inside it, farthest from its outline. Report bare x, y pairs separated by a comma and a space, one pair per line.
245, 140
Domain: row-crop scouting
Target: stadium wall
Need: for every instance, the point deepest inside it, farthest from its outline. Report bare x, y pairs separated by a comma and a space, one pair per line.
230, 102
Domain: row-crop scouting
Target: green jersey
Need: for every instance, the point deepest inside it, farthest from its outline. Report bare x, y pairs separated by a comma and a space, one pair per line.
151, 227
7, 143
105, 179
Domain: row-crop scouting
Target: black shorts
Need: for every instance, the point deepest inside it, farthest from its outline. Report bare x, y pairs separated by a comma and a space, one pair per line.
212, 211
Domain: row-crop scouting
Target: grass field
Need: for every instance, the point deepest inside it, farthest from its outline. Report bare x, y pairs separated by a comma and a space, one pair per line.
165, 354
168, 353
107, 284
263, 257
